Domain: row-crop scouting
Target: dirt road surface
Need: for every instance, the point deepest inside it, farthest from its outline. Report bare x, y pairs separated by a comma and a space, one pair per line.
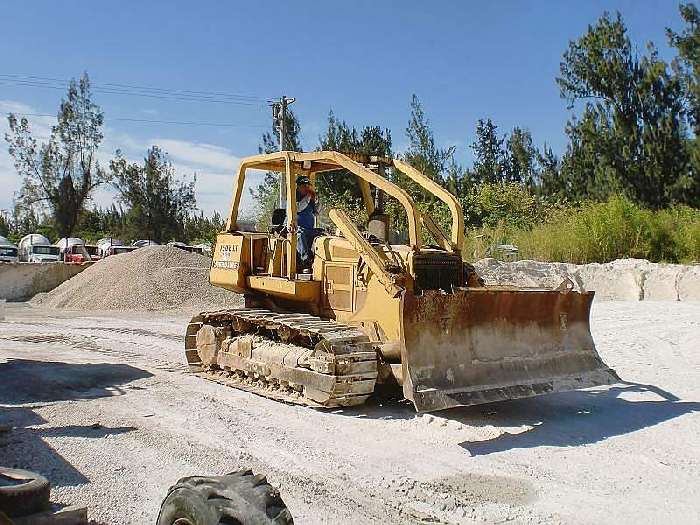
103, 405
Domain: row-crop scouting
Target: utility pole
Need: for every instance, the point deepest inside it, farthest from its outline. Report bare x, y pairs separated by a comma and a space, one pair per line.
279, 115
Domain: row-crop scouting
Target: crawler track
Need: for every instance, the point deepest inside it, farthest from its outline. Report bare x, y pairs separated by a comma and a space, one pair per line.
296, 358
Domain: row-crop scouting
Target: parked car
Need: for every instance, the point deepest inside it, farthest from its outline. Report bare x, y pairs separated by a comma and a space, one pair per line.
72, 250
37, 248
144, 242
76, 254
65, 242
116, 250
187, 247
204, 249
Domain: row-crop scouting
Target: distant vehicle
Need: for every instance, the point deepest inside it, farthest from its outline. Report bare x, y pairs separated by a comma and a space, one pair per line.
65, 242
117, 250
73, 250
110, 241
76, 254
144, 242
93, 252
37, 248
105, 243
8, 251
193, 249
205, 249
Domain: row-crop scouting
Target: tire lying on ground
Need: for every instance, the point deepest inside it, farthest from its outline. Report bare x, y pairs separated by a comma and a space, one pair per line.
23, 492
238, 498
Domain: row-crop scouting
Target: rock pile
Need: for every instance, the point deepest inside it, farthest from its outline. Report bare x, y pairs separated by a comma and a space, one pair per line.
620, 280
150, 278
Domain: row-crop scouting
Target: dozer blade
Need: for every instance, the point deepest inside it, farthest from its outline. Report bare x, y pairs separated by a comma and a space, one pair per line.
491, 344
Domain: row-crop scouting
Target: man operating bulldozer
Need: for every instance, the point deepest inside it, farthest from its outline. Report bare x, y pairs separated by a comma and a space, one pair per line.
410, 316
307, 210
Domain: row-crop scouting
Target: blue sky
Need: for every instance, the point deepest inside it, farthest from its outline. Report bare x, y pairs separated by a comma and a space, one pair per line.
362, 59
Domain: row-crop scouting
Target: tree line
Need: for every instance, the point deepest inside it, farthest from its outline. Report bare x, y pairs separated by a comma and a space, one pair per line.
633, 132
60, 175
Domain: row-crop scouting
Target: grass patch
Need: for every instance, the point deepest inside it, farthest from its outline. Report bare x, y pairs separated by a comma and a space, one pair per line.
598, 232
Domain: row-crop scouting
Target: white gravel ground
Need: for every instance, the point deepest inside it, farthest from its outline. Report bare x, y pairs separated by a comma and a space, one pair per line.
103, 406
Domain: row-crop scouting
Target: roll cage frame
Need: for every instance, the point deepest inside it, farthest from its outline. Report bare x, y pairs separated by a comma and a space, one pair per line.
293, 164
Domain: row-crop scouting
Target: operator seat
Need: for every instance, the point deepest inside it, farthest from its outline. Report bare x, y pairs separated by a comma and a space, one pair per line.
279, 216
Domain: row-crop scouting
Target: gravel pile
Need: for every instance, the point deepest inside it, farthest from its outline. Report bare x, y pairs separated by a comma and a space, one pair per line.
150, 278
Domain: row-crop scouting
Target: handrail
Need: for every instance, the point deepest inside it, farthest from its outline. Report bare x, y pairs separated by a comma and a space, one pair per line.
457, 233
277, 162
365, 249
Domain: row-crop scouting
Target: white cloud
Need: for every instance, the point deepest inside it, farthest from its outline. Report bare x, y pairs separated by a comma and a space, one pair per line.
203, 155
214, 165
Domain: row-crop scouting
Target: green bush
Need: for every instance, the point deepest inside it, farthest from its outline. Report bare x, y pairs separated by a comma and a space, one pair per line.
508, 204
598, 232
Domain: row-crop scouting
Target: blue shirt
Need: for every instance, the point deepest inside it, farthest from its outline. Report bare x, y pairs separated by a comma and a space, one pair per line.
306, 212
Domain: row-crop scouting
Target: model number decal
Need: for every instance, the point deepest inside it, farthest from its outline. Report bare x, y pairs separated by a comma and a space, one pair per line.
226, 251
231, 265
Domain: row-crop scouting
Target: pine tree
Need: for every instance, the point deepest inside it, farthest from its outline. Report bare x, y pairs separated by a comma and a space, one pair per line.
422, 153
551, 183
62, 173
489, 153
631, 138
340, 188
521, 158
688, 44
158, 202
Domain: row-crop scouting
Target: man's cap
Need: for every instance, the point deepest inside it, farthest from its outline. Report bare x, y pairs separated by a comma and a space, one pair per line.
303, 179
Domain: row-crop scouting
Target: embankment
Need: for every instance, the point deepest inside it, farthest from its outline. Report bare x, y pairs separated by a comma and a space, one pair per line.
20, 281
620, 280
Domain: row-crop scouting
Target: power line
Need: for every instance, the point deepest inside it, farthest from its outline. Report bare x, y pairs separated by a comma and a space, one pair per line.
189, 91
179, 98
139, 91
153, 121
140, 88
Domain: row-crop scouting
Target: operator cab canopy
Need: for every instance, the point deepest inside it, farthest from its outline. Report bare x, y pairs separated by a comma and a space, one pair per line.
293, 164
259, 260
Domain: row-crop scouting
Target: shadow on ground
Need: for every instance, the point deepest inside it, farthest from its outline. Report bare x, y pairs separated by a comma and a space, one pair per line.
557, 420
28, 381
25, 448
23, 381
581, 417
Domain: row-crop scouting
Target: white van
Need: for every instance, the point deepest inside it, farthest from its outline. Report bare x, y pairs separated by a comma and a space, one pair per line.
8, 251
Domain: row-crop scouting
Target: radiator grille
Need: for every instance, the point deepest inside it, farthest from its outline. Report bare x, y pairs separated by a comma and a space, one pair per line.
437, 271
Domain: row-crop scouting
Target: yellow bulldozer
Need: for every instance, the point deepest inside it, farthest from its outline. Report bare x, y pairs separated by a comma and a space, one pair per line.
371, 314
